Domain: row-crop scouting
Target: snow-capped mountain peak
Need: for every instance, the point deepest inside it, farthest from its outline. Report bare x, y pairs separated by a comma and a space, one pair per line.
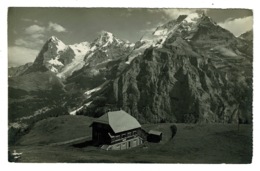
185, 25
192, 18
58, 43
183, 22
105, 38
54, 38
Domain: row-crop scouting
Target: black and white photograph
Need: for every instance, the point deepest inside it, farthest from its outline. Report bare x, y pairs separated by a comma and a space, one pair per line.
130, 85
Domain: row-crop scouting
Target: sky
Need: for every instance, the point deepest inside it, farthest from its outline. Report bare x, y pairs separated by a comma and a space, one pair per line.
30, 28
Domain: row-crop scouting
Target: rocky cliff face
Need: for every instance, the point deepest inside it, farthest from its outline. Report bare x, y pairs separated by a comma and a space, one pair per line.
247, 47
171, 86
197, 73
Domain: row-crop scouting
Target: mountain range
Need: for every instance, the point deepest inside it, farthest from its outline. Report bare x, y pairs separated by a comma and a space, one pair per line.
188, 70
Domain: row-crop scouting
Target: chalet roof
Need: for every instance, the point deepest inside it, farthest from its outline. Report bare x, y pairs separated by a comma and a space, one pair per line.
119, 121
155, 132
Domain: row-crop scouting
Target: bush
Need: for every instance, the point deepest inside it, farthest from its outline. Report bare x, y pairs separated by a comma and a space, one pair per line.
174, 130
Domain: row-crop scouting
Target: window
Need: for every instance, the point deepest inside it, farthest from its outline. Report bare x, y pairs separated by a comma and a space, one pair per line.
134, 133
123, 135
129, 134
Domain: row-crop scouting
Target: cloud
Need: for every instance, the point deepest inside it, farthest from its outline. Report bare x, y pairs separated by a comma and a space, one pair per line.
20, 42
35, 29
25, 45
171, 14
238, 26
56, 27
29, 42
174, 13
20, 55
37, 36
148, 22
29, 20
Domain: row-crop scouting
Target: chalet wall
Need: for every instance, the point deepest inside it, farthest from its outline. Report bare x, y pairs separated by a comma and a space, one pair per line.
126, 144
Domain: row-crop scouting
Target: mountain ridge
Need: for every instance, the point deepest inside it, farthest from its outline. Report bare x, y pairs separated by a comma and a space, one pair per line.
187, 70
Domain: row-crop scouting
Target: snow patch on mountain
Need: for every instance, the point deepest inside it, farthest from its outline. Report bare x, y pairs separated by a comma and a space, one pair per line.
53, 69
109, 39
80, 108
160, 32
225, 51
139, 48
192, 18
132, 45
105, 39
119, 41
80, 50
36, 113
106, 61
55, 61
89, 92
75, 65
59, 44
93, 48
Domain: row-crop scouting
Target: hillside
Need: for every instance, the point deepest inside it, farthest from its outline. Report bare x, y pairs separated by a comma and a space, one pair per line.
248, 36
193, 143
57, 129
16, 71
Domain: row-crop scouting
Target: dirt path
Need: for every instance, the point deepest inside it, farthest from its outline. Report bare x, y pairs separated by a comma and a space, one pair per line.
76, 140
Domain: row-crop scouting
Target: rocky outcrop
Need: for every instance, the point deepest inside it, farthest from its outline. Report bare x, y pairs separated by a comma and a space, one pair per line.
197, 74
165, 86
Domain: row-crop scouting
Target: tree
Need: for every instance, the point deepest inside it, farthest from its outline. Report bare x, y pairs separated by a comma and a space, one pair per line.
174, 130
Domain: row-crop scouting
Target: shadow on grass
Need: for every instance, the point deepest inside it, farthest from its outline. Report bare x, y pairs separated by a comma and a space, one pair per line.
83, 144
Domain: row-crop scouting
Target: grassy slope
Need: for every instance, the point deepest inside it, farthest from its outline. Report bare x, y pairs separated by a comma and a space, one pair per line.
215, 143
34, 91
57, 129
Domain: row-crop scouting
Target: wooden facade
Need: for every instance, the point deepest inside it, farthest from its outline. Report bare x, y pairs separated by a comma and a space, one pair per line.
103, 134
116, 131
154, 136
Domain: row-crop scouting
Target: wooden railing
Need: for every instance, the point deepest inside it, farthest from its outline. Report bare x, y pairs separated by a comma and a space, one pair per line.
123, 139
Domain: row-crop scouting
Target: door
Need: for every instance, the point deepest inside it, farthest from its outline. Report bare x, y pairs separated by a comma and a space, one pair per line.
134, 143
123, 146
